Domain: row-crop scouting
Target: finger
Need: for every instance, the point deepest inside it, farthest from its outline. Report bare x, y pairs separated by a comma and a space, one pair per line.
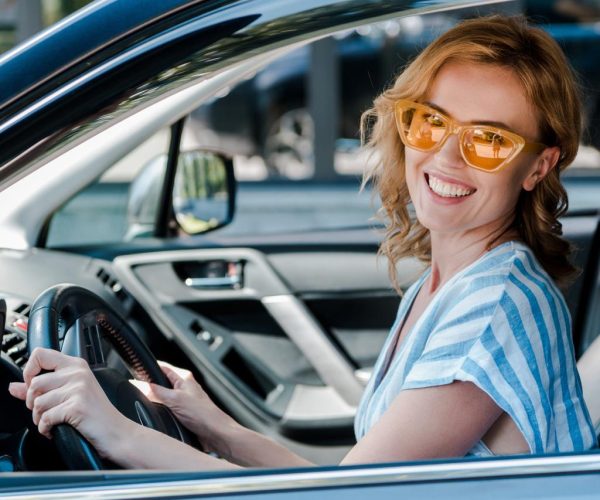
160, 394
181, 372
155, 393
162, 363
44, 383
166, 367
39, 360
46, 401
171, 372
53, 416
18, 390
46, 359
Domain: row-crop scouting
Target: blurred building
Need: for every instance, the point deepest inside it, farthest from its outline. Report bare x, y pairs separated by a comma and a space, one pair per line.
20, 19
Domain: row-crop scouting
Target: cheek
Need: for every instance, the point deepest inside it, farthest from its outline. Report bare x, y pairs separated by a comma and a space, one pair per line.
502, 189
413, 161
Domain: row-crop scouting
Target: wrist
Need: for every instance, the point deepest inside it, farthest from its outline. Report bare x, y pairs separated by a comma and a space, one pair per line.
121, 446
219, 439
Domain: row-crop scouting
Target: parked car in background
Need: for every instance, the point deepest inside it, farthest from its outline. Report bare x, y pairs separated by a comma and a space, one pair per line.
269, 113
270, 292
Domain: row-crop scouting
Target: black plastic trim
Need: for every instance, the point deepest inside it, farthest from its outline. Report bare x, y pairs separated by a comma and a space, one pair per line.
164, 214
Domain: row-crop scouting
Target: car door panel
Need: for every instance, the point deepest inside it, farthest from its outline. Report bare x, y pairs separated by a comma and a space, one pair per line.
292, 349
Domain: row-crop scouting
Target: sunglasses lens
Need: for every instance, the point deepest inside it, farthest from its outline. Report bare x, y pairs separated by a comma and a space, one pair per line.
486, 149
420, 128
424, 128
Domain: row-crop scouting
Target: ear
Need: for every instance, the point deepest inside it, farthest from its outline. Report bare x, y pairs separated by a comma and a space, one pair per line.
544, 163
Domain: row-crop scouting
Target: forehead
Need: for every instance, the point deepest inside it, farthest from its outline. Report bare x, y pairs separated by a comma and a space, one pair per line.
472, 92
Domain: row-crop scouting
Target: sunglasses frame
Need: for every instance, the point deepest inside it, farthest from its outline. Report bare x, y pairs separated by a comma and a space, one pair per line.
455, 127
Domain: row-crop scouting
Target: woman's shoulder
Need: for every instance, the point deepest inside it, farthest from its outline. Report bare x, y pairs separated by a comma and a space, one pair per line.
505, 283
501, 260
508, 269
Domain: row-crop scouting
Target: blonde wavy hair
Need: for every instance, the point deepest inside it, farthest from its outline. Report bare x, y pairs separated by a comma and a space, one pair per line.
549, 85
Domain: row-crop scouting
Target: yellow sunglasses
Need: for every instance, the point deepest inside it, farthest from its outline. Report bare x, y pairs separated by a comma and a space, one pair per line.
482, 147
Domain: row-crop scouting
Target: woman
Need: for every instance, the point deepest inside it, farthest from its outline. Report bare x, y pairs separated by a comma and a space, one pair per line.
479, 361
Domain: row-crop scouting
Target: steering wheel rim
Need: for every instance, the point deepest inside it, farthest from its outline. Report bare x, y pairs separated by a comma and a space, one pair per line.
77, 318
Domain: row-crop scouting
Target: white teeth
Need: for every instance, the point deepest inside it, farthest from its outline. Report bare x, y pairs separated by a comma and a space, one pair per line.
447, 190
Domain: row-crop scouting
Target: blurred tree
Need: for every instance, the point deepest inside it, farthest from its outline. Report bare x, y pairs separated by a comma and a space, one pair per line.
55, 10
20, 19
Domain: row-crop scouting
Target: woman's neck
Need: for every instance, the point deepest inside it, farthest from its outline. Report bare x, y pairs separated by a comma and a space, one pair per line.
451, 253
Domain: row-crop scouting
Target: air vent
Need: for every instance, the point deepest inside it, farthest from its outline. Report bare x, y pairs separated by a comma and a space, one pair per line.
22, 309
14, 340
112, 284
14, 345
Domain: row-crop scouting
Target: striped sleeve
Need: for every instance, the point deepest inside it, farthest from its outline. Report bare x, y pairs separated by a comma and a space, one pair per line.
453, 337
504, 336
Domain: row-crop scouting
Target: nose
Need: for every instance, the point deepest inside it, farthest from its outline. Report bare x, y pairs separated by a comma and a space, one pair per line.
448, 155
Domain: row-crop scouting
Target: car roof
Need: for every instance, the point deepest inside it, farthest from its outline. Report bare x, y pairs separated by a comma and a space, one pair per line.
77, 37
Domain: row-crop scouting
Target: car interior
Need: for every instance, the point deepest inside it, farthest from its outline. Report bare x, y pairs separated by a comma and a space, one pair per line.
286, 344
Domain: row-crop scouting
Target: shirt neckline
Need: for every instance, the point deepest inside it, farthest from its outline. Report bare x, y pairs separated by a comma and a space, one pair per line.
390, 359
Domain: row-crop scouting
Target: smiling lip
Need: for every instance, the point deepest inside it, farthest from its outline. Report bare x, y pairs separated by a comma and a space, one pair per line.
445, 188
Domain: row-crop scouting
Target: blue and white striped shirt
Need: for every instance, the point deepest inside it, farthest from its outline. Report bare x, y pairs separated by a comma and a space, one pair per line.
501, 324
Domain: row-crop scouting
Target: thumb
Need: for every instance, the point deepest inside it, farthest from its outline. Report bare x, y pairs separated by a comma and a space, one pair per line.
160, 394
18, 390
171, 372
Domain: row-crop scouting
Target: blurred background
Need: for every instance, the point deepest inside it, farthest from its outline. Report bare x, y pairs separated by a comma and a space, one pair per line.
298, 118
292, 128
20, 19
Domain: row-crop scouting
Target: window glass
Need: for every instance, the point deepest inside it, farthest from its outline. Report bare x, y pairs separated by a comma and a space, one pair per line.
293, 130
120, 205
293, 127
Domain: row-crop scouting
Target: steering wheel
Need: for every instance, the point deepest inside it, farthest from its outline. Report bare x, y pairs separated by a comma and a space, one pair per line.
77, 322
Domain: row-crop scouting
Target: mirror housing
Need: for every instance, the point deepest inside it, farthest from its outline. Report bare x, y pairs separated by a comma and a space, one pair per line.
203, 192
203, 196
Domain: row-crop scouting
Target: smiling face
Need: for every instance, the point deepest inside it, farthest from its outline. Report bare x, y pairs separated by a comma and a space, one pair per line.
448, 195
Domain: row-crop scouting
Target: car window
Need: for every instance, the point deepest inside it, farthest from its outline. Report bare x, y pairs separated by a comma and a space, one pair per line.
274, 123
118, 206
293, 131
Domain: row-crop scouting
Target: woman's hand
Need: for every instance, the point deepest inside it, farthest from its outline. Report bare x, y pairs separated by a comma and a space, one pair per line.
62, 389
190, 404
216, 430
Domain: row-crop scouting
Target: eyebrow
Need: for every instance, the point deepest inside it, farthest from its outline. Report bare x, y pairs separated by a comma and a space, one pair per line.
473, 122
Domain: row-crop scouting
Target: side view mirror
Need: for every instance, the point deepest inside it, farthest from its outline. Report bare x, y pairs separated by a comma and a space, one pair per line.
203, 196
204, 191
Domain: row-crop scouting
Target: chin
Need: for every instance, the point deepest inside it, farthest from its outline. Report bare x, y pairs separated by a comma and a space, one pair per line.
438, 221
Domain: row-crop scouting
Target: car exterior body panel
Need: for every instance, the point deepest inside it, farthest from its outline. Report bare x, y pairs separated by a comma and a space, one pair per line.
518, 478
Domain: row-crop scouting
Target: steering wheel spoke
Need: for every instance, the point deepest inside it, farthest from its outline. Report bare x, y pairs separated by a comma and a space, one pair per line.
83, 340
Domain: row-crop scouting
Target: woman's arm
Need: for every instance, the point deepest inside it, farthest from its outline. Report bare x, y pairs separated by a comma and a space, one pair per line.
62, 389
248, 448
421, 423
441, 421
217, 431
433, 422
144, 448
69, 393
